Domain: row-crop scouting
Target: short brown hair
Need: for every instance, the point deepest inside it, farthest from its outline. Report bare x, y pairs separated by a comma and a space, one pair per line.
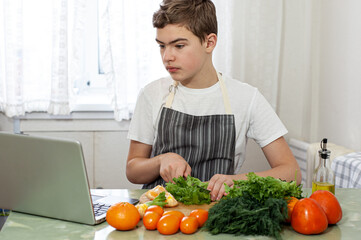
198, 16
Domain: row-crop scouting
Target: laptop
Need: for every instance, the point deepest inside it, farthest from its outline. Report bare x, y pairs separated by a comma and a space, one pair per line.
47, 177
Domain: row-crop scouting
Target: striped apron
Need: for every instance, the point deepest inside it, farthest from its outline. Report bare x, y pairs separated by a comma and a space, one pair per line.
207, 143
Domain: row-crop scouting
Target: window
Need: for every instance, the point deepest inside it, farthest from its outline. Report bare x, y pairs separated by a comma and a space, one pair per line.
70, 55
91, 88
120, 41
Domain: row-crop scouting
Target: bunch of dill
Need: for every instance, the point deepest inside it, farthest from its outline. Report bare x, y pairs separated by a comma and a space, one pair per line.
246, 215
256, 206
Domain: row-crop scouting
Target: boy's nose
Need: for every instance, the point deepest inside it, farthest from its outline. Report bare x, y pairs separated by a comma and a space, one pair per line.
168, 55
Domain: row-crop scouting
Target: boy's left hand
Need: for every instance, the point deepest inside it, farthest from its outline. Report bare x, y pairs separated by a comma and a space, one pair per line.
216, 185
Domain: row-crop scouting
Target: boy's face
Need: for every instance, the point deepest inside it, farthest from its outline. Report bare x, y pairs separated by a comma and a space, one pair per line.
183, 54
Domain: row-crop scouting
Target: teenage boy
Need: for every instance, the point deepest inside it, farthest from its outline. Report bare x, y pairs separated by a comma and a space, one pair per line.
196, 122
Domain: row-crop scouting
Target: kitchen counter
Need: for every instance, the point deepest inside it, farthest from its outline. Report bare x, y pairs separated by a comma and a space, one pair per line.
24, 226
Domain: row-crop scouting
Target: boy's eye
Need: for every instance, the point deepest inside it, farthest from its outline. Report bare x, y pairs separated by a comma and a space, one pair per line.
179, 46
161, 46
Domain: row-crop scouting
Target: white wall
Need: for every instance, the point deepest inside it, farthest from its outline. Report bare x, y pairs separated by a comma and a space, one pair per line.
294, 84
320, 83
340, 73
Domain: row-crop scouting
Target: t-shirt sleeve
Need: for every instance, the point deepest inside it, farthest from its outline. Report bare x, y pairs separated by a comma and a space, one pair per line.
265, 126
141, 126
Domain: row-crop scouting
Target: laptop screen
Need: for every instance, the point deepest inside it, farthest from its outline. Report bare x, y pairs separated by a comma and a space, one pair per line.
44, 176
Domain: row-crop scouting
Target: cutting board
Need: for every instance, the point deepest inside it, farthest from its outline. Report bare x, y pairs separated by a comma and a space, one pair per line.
186, 209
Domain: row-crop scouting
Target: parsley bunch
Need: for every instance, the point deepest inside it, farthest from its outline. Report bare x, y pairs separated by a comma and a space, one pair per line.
262, 188
189, 190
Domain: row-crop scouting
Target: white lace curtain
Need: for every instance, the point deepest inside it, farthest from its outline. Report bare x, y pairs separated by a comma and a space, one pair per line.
130, 56
37, 77
249, 45
248, 49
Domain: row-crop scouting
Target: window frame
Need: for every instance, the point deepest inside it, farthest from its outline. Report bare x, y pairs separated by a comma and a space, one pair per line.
92, 93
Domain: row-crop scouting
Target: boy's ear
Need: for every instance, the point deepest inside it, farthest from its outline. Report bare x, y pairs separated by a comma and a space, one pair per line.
210, 42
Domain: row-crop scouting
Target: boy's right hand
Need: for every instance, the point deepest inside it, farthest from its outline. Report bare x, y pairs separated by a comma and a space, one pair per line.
172, 166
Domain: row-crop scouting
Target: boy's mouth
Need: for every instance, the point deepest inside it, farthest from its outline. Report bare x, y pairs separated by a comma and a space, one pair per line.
172, 69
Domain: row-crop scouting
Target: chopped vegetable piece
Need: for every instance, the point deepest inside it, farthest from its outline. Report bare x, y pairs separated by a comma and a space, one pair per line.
160, 200
141, 208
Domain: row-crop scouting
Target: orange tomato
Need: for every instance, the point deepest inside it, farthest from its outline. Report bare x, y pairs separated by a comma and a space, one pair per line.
150, 220
168, 224
290, 205
201, 215
329, 204
179, 214
123, 216
308, 217
155, 208
188, 225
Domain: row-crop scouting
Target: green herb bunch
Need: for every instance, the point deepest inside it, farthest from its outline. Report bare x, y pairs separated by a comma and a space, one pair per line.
246, 215
262, 188
256, 206
189, 190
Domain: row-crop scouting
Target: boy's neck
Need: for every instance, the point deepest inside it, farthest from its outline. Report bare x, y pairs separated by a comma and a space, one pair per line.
203, 79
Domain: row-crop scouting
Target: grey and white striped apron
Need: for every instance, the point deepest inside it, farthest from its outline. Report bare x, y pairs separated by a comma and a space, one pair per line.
207, 143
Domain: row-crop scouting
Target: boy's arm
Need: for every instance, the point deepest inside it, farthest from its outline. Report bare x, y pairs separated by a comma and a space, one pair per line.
283, 165
141, 168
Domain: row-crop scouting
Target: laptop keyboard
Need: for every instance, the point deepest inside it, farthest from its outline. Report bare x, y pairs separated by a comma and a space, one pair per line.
100, 208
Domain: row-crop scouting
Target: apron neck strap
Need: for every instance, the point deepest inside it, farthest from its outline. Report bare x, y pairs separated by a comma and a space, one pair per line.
170, 97
227, 105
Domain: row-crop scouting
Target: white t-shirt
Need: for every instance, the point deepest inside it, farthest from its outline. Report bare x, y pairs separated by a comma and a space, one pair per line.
254, 117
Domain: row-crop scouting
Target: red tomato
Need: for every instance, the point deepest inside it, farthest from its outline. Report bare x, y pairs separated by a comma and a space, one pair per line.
329, 204
179, 214
155, 208
308, 217
150, 220
201, 215
189, 225
168, 224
